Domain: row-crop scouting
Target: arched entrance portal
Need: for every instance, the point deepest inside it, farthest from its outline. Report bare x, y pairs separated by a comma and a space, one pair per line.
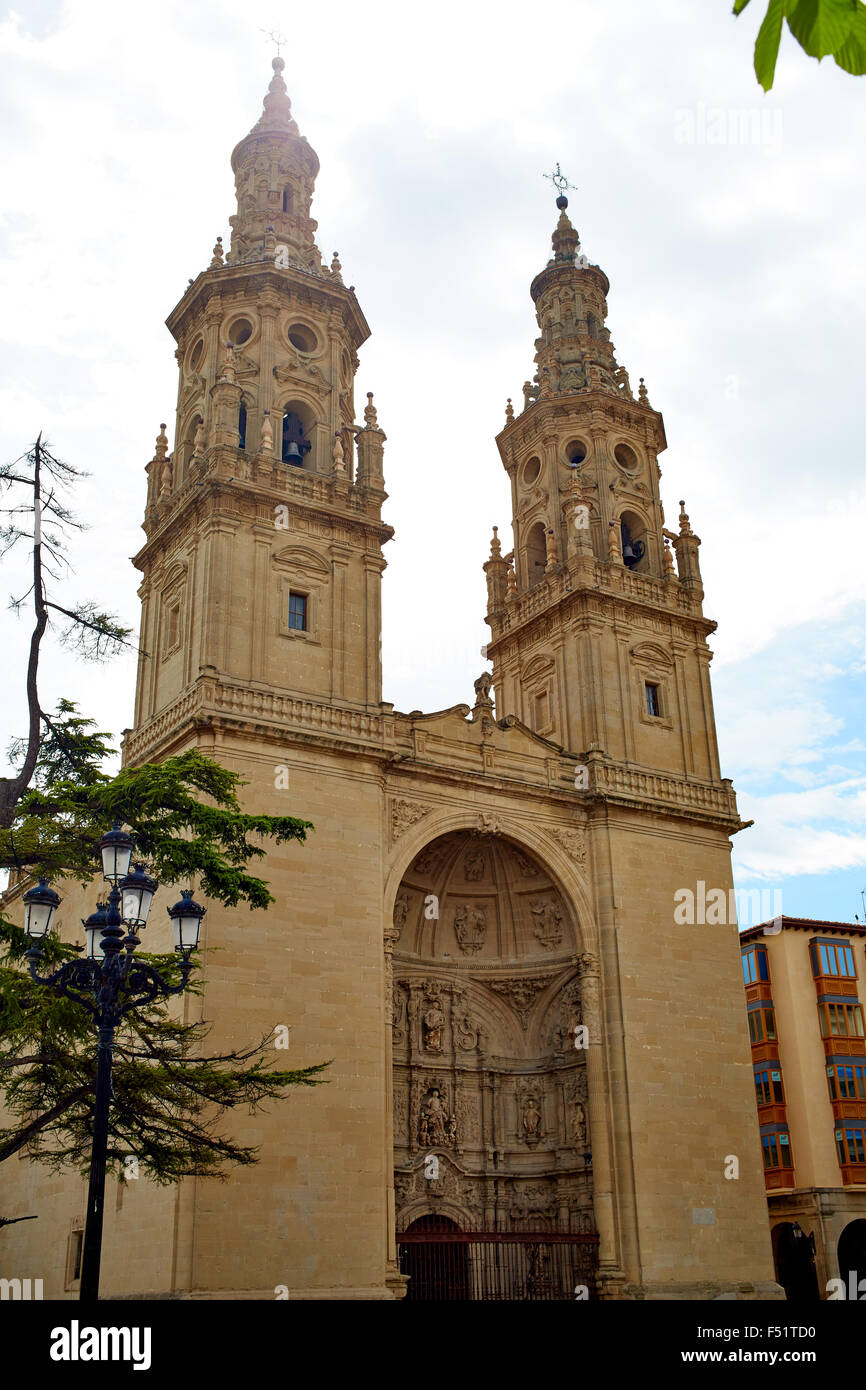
437, 1269
490, 1090
794, 1258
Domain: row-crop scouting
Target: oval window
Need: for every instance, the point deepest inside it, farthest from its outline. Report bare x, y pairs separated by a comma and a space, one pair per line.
576, 452
196, 354
302, 338
625, 457
240, 332
531, 470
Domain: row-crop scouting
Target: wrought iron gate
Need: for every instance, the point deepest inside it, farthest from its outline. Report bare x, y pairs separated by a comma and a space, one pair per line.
492, 1266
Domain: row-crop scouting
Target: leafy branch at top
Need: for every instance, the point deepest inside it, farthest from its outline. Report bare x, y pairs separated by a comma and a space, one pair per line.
821, 28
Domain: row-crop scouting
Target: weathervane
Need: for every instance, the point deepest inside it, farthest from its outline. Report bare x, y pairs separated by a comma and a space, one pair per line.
279, 39
559, 181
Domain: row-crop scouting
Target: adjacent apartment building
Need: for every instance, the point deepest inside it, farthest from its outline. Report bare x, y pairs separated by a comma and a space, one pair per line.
804, 985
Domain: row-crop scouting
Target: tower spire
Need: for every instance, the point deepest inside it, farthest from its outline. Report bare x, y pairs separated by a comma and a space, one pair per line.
277, 106
275, 170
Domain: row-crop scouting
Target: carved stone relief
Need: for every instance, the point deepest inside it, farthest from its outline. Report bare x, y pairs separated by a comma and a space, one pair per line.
547, 916
470, 927
521, 992
405, 814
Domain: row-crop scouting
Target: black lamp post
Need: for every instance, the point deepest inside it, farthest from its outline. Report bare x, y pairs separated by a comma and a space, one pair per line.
109, 982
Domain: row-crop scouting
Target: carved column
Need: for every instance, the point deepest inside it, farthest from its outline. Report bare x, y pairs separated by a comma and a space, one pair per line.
602, 1187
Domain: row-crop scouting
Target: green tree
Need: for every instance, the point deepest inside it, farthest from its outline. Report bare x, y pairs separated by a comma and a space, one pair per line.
821, 28
83, 626
169, 1096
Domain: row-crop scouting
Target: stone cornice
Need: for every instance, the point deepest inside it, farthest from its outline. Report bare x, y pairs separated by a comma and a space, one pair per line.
311, 494
561, 596
454, 757
259, 277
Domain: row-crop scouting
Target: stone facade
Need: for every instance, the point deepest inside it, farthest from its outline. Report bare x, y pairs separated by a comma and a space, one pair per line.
480, 929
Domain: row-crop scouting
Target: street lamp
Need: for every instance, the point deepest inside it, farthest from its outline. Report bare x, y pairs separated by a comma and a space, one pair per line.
109, 982
186, 919
40, 903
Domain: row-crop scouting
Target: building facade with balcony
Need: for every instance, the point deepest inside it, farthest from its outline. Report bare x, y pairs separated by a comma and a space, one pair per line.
804, 983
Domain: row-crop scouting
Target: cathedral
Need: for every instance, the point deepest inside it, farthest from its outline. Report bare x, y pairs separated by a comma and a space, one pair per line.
541, 1082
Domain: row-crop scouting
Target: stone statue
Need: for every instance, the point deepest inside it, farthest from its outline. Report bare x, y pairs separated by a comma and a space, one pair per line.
434, 1022
531, 1119
578, 1124
401, 912
338, 455
435, 1120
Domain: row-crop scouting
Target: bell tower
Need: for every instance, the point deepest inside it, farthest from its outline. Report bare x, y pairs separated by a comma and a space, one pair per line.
263, 561
599, 638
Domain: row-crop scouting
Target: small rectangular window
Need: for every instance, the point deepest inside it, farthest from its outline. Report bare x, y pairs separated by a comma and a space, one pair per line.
653, 703
172, 626
298, 612
74, 1252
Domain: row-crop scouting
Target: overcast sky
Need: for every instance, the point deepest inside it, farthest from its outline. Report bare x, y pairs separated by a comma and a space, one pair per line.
730, 225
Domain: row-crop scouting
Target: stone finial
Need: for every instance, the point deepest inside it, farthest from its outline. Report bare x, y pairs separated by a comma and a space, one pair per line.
267, 435
166, 474
228, 366
510, 578
338, 456
371, 418
198, 442
509, 411
336, 267
642, 392
161, 443
552, 550
623, 382
685, 528
566, 242
613, 540
668, 560
277, 108
495, 545
217, 255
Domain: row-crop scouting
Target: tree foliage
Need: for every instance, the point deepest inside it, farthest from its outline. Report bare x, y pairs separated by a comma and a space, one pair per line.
44, 519
821, 28
168, 1098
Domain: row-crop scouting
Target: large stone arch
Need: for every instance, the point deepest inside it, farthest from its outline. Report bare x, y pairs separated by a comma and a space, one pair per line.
563, 851
485, 944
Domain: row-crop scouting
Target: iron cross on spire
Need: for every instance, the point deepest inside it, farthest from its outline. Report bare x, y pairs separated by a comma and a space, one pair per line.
279, 39
559, 181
